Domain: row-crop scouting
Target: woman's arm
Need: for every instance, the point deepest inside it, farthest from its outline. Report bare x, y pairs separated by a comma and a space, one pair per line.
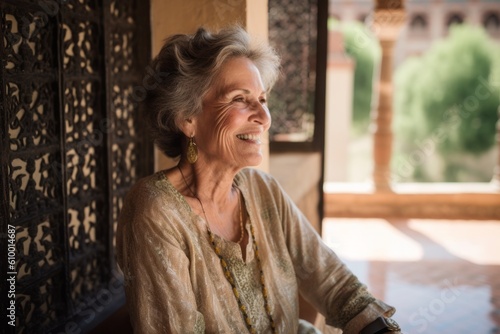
322, 277
156, 269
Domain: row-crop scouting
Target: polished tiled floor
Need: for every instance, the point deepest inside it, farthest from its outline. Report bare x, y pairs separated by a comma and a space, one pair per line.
443, 276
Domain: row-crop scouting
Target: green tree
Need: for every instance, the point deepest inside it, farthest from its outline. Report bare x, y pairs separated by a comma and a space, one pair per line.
449, 97
364, 49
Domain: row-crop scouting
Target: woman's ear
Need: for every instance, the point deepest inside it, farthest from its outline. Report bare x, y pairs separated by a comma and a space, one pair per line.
188, 126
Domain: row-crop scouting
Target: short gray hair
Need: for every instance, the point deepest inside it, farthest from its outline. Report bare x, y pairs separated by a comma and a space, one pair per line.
188, 65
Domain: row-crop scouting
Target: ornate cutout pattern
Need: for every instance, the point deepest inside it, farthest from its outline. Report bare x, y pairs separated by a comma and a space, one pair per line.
292, 32
71, 146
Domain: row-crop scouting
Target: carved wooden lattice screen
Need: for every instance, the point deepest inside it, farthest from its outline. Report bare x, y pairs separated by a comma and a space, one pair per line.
71, 146
297, 29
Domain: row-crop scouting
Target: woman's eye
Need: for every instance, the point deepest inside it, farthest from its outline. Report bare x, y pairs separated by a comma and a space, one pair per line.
239, 99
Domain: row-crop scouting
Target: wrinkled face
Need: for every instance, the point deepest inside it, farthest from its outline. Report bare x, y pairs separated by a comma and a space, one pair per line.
234, 116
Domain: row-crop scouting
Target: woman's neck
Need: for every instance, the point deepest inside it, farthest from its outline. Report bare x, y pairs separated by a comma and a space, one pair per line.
210, 185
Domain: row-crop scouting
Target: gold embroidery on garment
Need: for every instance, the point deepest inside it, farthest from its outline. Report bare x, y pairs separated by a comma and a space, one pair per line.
247, 280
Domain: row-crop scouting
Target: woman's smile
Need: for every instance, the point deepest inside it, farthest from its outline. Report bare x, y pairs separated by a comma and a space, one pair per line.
251, 138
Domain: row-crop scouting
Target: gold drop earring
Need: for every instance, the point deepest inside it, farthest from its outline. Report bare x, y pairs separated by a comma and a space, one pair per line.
192, 151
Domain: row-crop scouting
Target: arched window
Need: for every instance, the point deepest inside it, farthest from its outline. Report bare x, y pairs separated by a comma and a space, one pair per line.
362, 17
418, 24
491, 21
454, 18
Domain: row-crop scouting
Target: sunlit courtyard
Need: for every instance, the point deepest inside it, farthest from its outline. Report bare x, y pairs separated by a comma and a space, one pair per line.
443, 276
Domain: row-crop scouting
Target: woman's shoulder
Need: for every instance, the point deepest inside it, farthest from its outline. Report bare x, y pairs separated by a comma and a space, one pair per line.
154, 189
258, 181
254, 175
147, 186
154, 202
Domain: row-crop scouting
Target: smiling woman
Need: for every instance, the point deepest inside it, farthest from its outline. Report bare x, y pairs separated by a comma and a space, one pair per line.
234, 117
192, 67
211, 246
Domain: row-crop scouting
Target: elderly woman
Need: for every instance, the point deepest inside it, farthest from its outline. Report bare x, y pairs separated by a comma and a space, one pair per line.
210, 245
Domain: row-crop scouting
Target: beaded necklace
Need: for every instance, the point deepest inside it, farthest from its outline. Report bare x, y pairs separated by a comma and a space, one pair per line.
228, 274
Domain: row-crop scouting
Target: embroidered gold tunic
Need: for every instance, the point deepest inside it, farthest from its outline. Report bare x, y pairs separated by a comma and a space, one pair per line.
174, 282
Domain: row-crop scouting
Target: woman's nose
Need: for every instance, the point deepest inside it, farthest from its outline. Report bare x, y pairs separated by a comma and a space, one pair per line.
261, 114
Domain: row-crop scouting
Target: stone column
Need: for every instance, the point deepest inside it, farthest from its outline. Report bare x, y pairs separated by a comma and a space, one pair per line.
388, 19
